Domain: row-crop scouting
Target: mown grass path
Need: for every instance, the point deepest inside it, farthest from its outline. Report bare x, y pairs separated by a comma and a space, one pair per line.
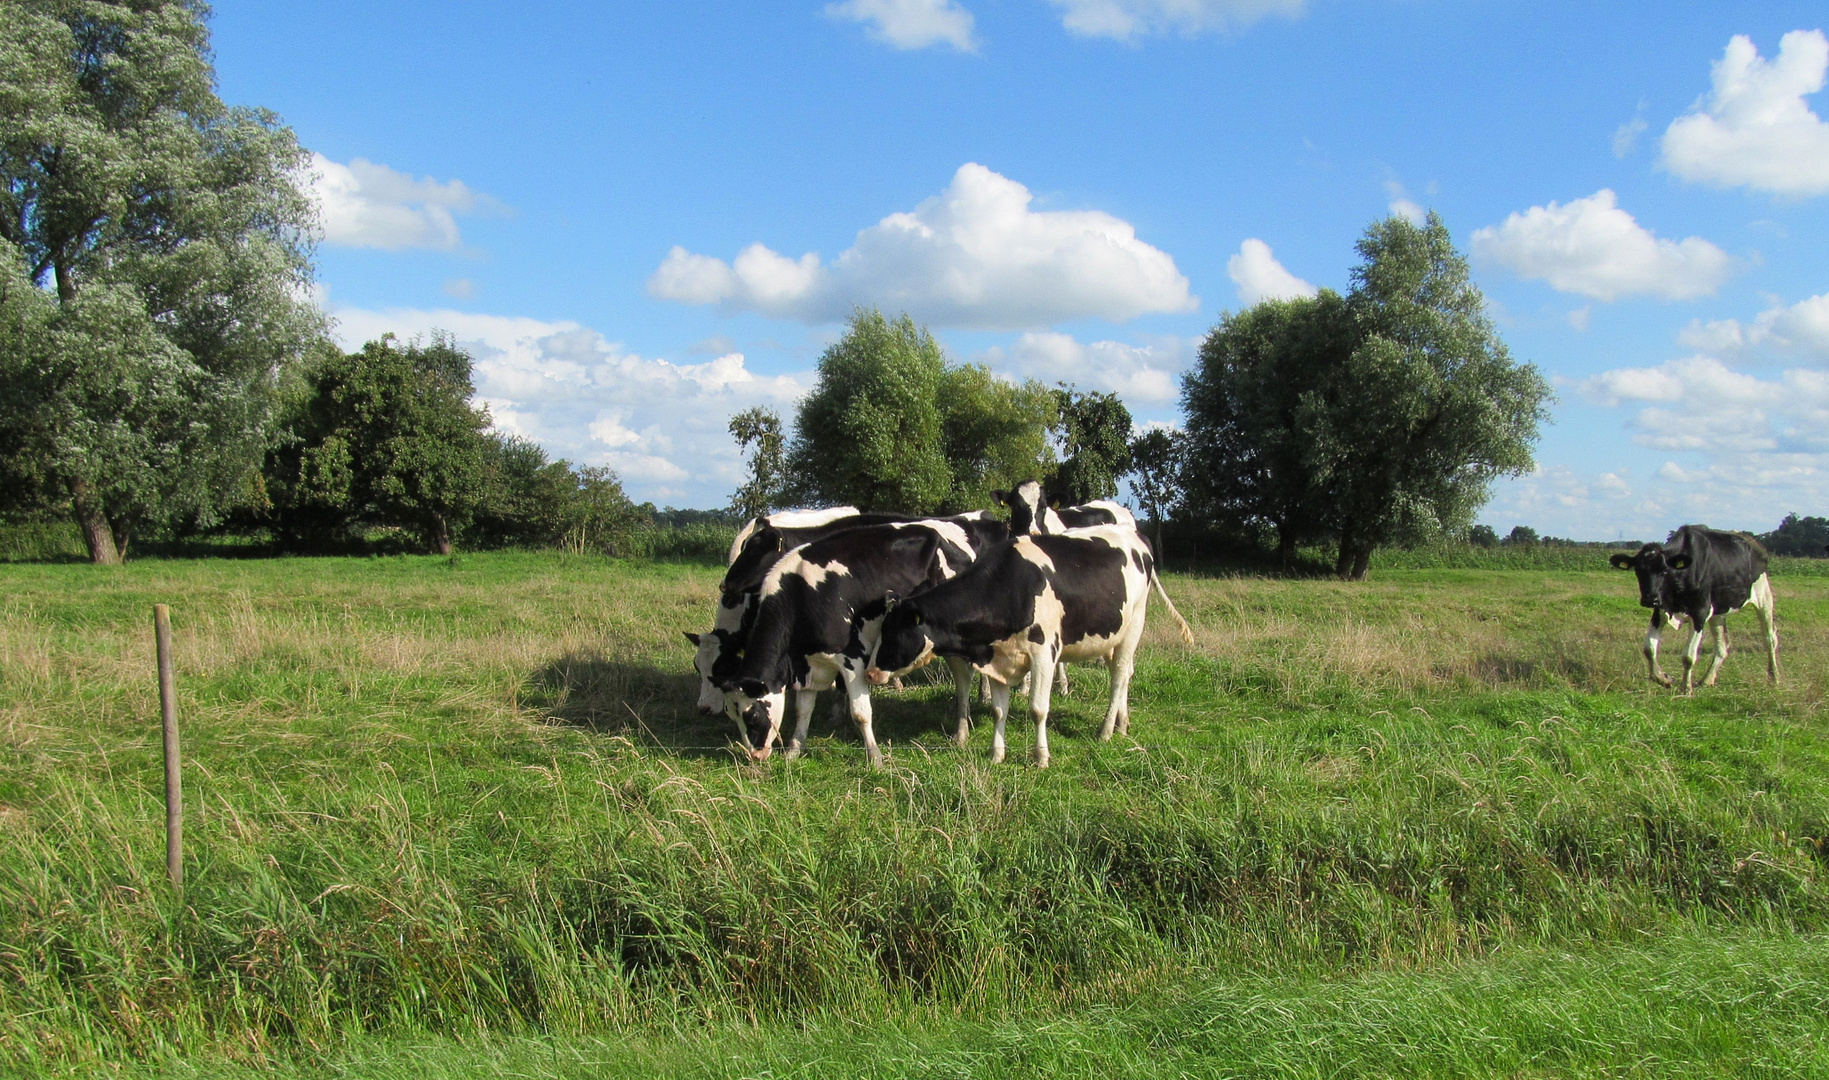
1433, 824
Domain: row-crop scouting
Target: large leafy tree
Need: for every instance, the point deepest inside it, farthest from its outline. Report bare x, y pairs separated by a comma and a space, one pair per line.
157, 251
890, 425
1380, 417
1250, 455
1428, 409
995, 434
1095, 441
387, 436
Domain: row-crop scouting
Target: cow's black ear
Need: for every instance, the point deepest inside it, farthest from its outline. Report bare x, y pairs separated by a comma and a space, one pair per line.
1679, 562
753, 688
890, 600
692, 637
1623, 561
917, 617
1001, 498
1056, 501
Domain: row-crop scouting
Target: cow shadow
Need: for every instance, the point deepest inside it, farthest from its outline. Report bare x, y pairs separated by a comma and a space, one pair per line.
659, 708
614, 696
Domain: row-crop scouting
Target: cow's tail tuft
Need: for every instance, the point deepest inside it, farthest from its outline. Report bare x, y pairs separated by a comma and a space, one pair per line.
1187, 632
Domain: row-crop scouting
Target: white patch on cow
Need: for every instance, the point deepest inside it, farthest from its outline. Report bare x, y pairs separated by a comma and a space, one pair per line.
814, 573
1032, 552
787, 519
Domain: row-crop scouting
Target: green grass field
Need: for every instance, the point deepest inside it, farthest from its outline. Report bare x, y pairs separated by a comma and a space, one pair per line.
452, 818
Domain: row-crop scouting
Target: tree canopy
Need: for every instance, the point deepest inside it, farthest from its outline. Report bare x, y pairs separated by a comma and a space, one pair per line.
890, 425
387, 436
157, 251
1095, 441
1375, 418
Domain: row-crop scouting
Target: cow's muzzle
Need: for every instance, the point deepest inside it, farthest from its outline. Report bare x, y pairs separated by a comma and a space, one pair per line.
877, 676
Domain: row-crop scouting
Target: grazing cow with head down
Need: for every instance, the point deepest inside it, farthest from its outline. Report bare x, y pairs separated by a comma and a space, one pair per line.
1024, 607
762, 543
1702, 575
815, 620
1032, 512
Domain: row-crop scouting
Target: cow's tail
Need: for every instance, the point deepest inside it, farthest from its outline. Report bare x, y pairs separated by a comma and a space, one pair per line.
1187, 632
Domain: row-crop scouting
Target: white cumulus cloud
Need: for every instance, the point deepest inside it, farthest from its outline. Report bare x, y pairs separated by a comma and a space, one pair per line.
660, 425
1755, 129
976, 255
1127, 20
1592, 247
1259, 276
1800, 331
1746, 449
363, 204
911, 24
1143, 375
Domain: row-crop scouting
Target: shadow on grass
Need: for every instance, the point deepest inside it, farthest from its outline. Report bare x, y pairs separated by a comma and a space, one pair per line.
649, 704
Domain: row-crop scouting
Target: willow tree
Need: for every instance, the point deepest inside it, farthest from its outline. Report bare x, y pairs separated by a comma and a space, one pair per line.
157, 247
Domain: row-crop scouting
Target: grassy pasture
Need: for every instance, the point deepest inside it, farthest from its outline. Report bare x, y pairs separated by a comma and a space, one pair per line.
456, 815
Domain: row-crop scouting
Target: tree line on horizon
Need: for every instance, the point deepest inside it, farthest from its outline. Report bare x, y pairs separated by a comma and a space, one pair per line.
165, 374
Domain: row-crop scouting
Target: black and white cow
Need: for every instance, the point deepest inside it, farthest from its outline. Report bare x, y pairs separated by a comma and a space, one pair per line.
1026, 606
1033, 512
716, 653
816, 617
1702, 575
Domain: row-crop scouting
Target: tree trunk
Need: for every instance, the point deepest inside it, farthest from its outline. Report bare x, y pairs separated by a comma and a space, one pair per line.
123, 537
1286, 548
1343, 566
438, 535
97, 533
1362, 560
1159, 548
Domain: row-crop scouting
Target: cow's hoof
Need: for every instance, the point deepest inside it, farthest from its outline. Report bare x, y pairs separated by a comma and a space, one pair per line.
997, 757
793, 751
1663, 681
1041, 761
1105, 733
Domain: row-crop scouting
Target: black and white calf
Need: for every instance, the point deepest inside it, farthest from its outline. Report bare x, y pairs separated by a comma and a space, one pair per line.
717, 652
1026, 606
1033, 512
1702, 575
816, 617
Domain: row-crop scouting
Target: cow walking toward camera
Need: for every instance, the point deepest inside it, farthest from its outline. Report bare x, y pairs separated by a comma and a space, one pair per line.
1026, 606
1702, 575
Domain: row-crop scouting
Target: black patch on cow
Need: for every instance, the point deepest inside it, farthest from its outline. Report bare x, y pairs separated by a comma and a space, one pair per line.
801, 620
1036, 635
1136, 558
1085, 517
1088, 579
1698, 572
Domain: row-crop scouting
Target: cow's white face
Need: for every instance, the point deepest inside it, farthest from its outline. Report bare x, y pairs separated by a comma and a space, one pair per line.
758, 719
704, 661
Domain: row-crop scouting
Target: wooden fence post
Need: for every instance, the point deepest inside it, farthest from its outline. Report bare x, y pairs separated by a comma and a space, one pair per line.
168, 714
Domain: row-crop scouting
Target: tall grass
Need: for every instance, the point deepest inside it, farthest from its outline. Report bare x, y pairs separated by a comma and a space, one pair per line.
471, 798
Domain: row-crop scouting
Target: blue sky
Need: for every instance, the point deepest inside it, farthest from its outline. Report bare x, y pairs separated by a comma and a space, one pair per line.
642, 218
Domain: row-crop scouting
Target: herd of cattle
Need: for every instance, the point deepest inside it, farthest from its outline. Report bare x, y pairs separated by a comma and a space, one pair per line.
814, 600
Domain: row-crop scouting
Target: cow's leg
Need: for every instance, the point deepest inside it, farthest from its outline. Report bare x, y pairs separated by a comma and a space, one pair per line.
804, 701
1761, 603
1041, 686
1651, 647
1719, 622
962, 697
1123, 662
857, 692
1692, 650
1000, 710
1060, 680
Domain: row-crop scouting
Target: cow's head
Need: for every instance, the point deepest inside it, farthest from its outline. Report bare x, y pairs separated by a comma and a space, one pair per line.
903, 643
709, 652
1026, 504
758, 710
1659, 571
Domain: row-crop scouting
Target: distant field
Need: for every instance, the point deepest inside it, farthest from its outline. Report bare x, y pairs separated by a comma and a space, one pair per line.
450, 816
